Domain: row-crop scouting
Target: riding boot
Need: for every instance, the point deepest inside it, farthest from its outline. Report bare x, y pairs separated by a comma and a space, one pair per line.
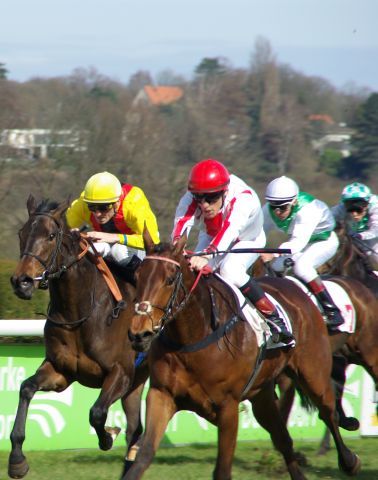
128, 266
332, 312
256, 295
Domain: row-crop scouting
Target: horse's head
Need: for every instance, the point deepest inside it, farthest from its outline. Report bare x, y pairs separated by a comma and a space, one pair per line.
350, 258
40, 241
159, 290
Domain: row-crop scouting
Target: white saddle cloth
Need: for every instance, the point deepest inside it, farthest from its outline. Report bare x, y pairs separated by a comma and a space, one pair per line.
255, 319
341, 299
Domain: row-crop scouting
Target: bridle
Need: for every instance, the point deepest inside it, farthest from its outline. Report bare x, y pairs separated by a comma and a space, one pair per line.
51, 268
174, 306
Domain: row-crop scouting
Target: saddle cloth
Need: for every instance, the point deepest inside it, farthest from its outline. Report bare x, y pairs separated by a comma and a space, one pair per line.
341, 299
255, 319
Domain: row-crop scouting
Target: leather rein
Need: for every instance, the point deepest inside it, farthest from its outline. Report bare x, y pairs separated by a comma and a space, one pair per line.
145, 308
53, 271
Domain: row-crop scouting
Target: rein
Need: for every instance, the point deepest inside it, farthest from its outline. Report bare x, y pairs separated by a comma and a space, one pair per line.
145, 308
52, 271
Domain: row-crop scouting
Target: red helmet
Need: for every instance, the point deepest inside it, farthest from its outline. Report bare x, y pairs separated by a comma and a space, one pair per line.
208, 176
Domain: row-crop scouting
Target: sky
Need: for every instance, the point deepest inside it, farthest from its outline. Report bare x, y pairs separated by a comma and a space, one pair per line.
333, 39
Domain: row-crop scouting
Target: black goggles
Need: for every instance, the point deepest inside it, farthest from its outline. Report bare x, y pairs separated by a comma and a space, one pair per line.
100, 207
355, 208
207, 197
282, 207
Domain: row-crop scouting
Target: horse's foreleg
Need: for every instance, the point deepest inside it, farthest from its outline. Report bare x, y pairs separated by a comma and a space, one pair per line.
160, 409
115, 386
227, 421
132, 406
267, 414
45, 378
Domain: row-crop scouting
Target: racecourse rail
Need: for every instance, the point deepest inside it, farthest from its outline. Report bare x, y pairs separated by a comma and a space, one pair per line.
60, 420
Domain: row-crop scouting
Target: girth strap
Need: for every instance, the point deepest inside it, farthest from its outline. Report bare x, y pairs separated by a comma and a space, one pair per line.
205, 342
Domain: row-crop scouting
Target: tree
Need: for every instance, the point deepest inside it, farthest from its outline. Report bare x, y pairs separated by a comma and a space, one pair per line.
3, 71
210, 67
365, 141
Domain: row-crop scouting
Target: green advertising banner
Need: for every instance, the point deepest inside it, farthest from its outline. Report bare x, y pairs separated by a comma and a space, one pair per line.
61, 420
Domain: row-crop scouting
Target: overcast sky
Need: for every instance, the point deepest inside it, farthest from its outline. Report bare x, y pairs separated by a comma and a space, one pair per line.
334, 39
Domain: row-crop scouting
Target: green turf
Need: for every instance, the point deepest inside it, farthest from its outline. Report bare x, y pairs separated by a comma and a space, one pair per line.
253, 460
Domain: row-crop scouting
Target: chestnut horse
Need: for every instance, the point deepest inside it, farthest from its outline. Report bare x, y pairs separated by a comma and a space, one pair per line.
348, 269
85, 332
203, 357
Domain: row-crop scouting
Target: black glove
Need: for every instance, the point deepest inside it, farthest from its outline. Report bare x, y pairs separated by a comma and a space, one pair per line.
355, 235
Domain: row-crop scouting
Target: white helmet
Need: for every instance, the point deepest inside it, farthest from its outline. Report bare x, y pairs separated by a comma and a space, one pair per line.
281, 190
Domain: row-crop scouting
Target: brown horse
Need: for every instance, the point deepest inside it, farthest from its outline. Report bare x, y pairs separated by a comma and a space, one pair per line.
203, 357
348, 269
85, 333
352, 259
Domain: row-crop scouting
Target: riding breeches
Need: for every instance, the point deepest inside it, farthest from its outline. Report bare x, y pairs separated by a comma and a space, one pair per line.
309, 259
233, 266
117, 252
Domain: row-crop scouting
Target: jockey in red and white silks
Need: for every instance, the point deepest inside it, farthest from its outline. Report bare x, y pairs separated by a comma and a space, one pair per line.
238, 224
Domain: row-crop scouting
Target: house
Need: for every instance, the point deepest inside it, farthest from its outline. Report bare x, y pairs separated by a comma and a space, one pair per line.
160, 95
35, 142
330, 135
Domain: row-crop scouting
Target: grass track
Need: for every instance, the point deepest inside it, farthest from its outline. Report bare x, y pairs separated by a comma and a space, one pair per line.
253, 460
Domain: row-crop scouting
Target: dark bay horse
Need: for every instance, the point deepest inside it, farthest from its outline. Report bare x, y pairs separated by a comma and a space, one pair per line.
85, 332
203, 357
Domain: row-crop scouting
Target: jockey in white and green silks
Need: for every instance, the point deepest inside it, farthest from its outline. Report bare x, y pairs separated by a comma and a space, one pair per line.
310, 225
359, 210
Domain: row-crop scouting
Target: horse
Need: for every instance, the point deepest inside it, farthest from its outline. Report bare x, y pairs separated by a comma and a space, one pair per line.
203, 357
351, 260
85, 333
348, 269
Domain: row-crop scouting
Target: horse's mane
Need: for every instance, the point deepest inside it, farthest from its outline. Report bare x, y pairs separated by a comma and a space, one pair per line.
46, 205
161, 247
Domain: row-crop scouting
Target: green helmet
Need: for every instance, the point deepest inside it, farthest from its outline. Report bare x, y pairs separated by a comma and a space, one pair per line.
356, 191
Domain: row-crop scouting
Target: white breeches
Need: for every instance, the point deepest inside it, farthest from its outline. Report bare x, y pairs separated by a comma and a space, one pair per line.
312, 257
117, 252
233, 266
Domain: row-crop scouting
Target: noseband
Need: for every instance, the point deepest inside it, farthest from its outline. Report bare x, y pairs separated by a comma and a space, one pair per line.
145, 307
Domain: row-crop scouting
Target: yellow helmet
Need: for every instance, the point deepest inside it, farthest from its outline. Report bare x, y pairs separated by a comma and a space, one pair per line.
102, 187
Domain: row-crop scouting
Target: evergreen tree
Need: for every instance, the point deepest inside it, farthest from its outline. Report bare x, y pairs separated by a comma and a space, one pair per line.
363, 163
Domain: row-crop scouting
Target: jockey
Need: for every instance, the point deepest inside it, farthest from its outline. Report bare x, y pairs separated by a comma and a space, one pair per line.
310, 225
229, 215
117, 214
359, 210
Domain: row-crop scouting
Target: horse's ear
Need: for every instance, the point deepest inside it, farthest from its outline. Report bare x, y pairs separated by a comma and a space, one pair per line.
61, 208
31, 205
147, 239
181, 243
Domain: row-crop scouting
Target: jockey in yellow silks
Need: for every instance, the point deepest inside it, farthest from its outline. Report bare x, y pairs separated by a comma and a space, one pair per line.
117, 214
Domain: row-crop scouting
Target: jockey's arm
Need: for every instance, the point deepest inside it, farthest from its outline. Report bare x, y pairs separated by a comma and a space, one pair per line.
138, 215
372, 231
77, 214
305, 223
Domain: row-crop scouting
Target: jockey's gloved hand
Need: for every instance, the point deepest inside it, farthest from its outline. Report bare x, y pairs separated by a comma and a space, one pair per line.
355, 235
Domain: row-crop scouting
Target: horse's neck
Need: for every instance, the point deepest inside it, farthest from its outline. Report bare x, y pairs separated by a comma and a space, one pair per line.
76, 290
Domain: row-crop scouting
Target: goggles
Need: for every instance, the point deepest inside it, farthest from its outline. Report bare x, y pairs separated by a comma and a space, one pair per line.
355, 208
207, 197
282, 207
100, 207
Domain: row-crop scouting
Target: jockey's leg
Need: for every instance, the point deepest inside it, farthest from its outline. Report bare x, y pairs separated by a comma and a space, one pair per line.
127, 257
305, 266
234, 267
255, 294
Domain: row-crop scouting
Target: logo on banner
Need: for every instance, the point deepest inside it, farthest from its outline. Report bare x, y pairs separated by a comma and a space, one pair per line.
43, 411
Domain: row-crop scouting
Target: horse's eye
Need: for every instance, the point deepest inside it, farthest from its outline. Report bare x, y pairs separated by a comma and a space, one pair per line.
51, 236
170, 280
